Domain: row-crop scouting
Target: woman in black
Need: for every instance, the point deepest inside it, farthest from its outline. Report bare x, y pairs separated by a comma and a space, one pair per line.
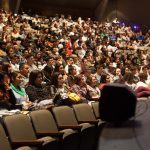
37, 90
7, 99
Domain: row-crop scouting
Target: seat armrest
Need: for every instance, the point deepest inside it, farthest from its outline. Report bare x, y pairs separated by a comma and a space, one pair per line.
89, 121
77, 127
59, 134
28, 143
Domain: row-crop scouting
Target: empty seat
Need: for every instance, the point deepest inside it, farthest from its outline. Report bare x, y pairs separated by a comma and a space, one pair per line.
45, 124
4, 143
84, 113
21, 132
66, 118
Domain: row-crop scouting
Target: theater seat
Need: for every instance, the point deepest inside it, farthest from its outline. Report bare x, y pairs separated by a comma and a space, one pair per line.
21, 132
44, 125
66, 118
4, 143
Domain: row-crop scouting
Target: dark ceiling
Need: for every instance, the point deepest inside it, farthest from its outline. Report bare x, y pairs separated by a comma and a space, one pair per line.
80, 4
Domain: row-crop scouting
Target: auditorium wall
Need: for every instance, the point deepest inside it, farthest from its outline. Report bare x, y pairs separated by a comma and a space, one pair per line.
136, 11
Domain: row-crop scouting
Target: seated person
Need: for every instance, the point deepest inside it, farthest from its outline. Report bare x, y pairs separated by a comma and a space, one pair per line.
92, 87
37, 90
142, 89
80, 88
105, 78
5, 92
19, 93
62, 89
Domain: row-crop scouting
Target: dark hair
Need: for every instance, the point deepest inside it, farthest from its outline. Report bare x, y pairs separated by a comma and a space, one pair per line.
103, 78
78, 79
2, 75
55, 79
21, 66
29, 56
57, 67
5, 66
14, 75
129, 78
33, 75
143, 77
48, 58
70, 69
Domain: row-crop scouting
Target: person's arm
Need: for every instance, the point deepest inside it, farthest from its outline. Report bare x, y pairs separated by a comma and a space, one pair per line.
32, 94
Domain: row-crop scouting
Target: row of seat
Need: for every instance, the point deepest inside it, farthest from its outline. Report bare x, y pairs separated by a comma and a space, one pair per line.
63, 128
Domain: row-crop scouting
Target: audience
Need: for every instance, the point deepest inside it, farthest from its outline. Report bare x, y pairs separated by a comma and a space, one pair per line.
61, 54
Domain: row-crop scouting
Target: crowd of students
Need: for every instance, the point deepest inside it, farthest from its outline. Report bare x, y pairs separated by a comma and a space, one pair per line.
44, 56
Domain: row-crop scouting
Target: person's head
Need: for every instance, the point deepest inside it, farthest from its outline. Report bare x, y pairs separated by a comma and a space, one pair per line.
25, 52
70, 61
127, 70
59, 68
50, 61
129, 78
143, 77
118, 72
72, 70
58, 60
87, 71
145, 69
4, 78
99, 69
7, 67
10, 51
14, 59
107, 61
105, 78
30, 59
16, 78
38, 55
92, 81
57, 80
80, 80
36, 78
134, 70
24, 69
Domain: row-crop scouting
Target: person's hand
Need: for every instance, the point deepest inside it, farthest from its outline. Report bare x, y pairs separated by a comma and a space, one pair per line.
6, 85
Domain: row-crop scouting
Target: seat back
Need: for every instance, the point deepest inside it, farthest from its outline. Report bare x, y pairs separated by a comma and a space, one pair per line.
84, 112
95, 106
64, 116
121, 137
19, 127
43, 121
117, 103
4, 143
